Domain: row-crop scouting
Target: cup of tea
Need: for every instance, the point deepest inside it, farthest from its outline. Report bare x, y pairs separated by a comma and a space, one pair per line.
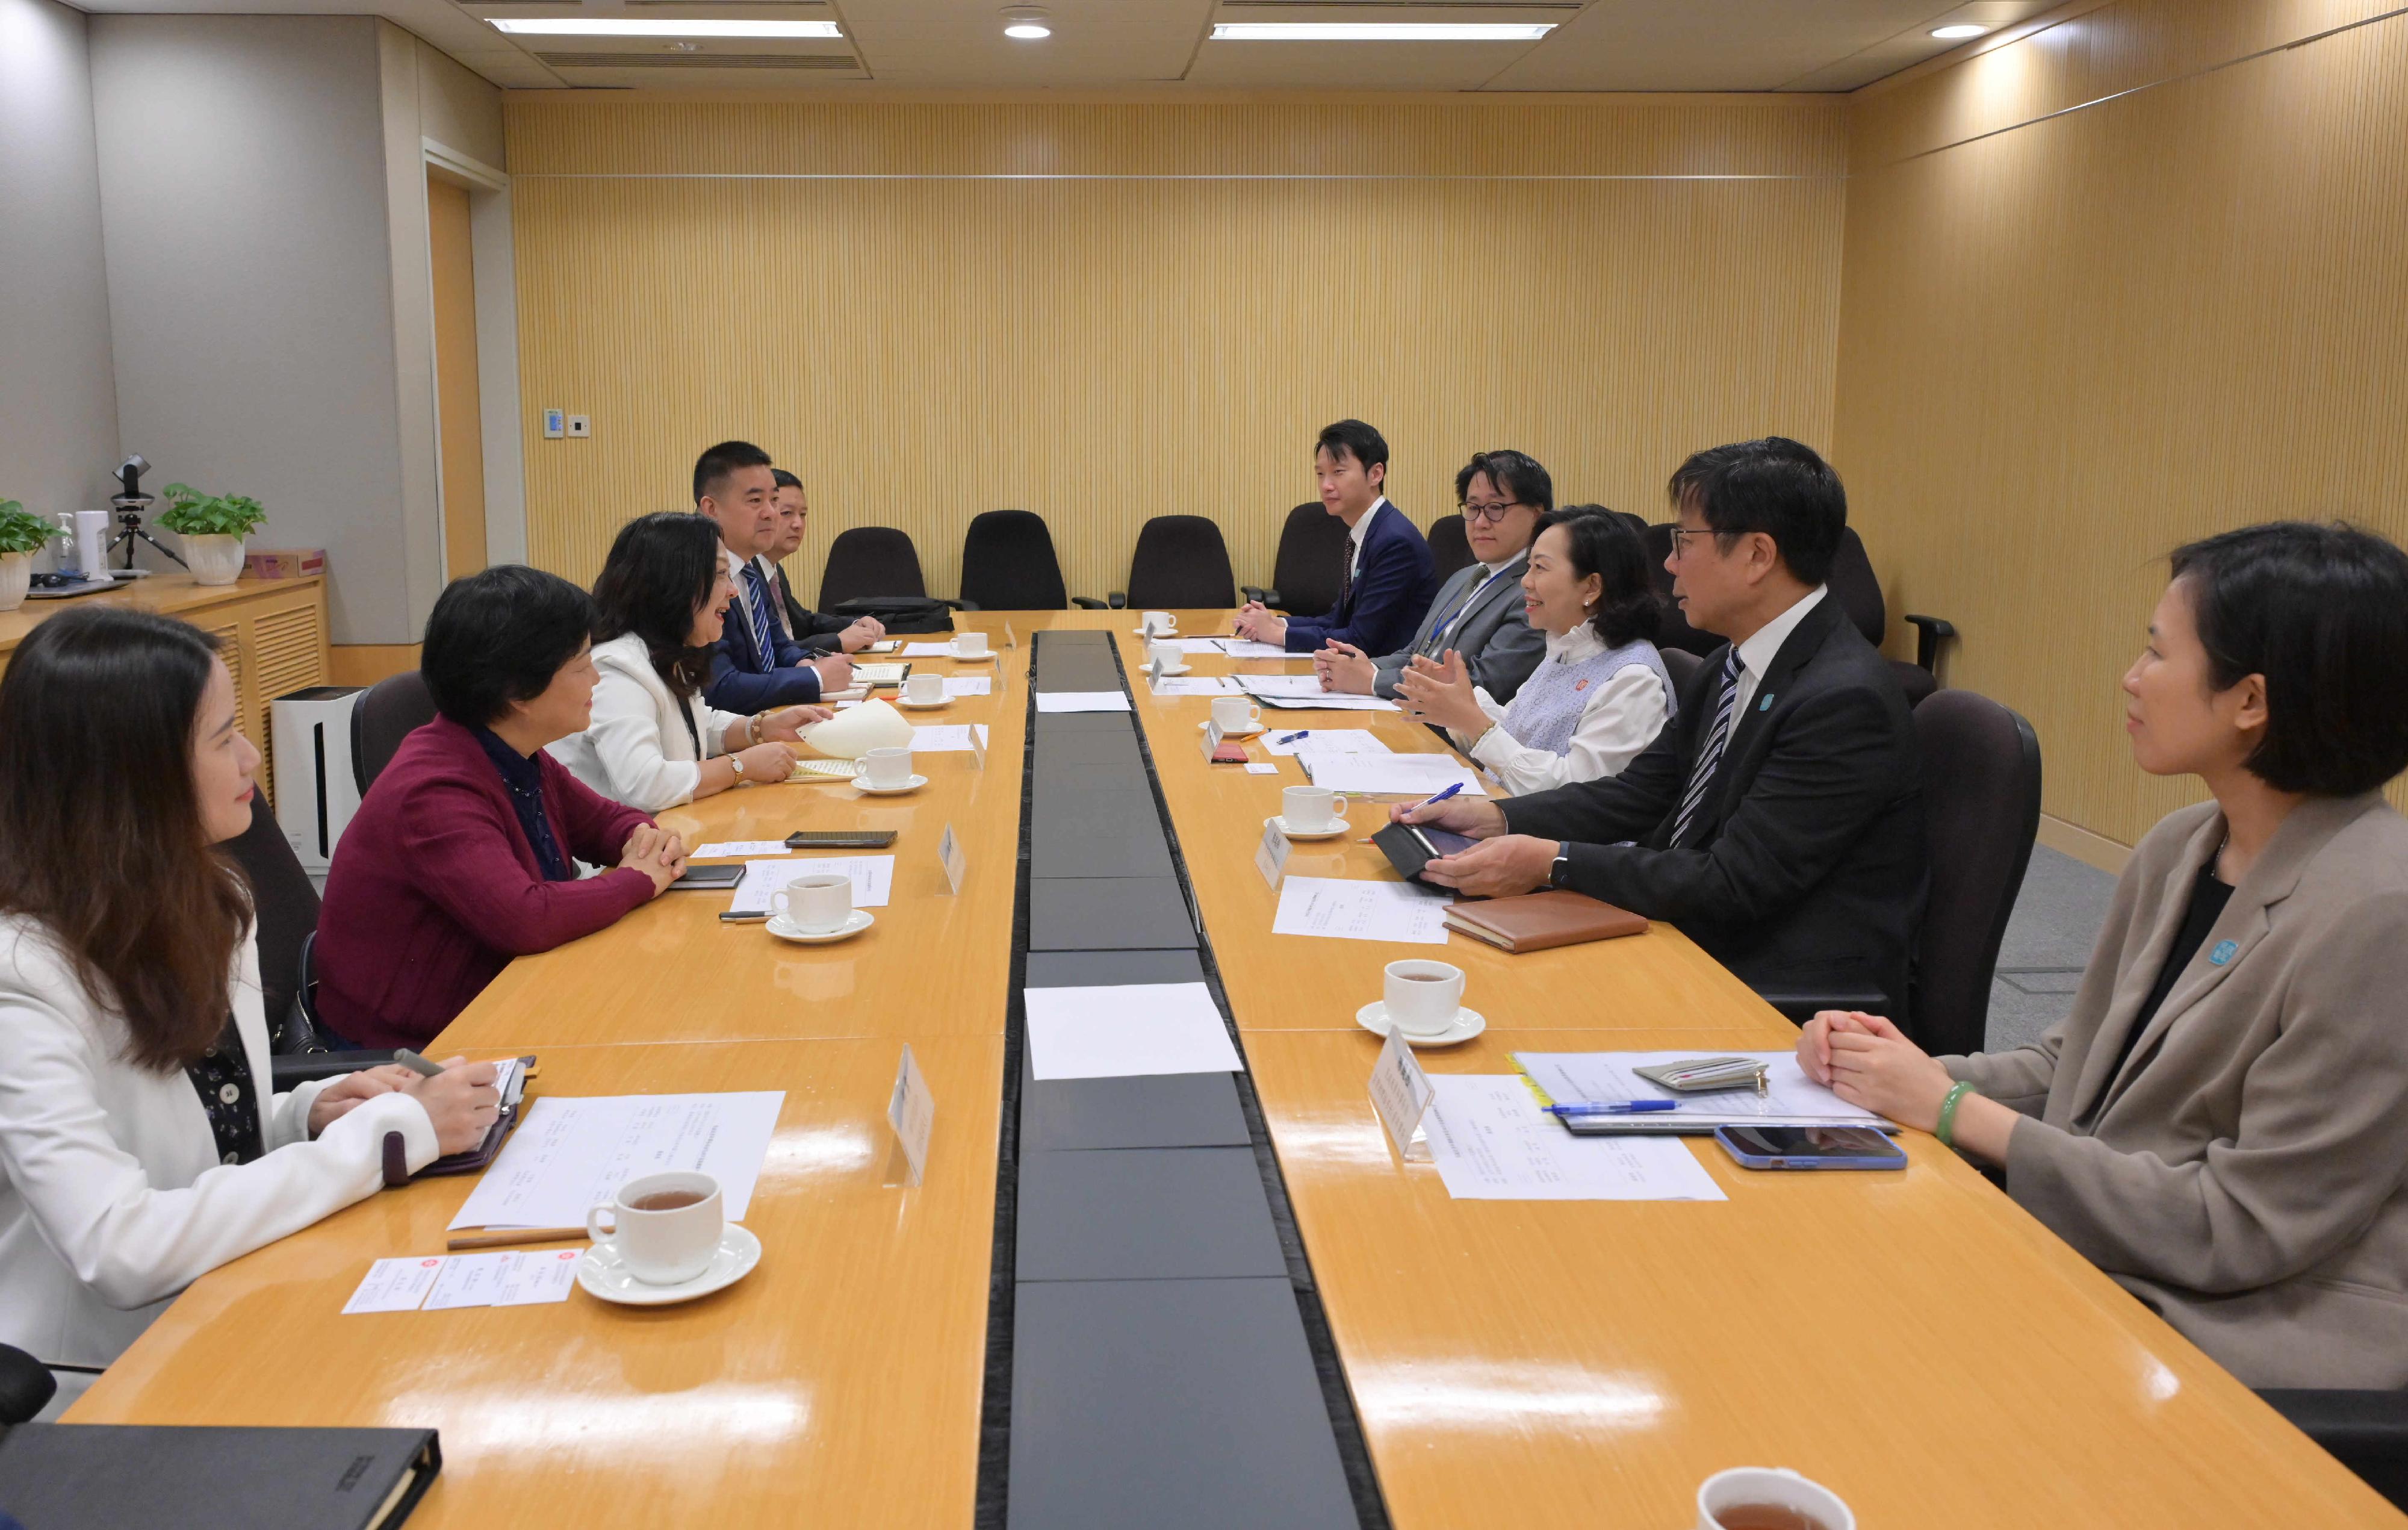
970, 645
886, 769
1160, 621
924, 689
1313, 809
1422, 997
1236, 715
817, 905
1764, 1497
665, 1227
1164, 654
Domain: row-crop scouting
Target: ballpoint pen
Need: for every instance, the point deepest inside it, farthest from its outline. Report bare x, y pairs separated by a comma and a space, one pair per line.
1291, 738
1627, 1108
1437, 799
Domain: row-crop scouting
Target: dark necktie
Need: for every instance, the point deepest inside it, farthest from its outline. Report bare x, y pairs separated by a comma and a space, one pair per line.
1346, 574
1711, 754
756, 610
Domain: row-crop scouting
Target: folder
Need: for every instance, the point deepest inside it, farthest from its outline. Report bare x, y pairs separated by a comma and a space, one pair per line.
166, 1477
1537, 921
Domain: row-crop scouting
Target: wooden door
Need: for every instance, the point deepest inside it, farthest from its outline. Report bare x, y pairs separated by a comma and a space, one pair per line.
460, 431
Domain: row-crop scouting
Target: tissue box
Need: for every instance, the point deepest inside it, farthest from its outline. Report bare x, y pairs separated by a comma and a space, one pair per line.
284, 562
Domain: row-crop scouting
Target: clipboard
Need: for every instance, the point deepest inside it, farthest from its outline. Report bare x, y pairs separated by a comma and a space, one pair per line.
396, 1153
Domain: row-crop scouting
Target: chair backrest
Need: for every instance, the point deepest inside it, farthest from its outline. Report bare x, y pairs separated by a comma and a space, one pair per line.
1449, 548
870, 560
285, 902
1312, 549
1853, 584
1980, 810
386, 713
1181, 563
1680, 664
1008, 563
1676, 633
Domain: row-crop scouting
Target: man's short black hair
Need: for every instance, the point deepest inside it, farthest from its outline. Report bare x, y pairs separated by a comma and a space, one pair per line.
499, 636
2322, 612
784, 479
1515, 474
1774, 486
716, 466
1352, 437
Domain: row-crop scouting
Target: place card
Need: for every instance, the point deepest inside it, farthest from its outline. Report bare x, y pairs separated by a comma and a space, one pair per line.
1271, 857
911, 1111
1401, 1093
1212, 738
949, 854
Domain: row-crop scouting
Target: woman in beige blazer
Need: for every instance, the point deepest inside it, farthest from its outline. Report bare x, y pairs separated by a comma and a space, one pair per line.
2222, 1122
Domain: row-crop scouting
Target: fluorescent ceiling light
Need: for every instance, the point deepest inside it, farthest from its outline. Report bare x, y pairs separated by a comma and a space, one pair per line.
1958, 32
580, 26
1027, 29
1381, 31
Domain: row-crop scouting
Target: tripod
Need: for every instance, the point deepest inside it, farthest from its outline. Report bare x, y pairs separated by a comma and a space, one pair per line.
129, 520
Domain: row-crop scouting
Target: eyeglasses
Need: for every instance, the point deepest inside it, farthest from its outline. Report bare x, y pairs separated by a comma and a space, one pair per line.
1681, 536
1488, 513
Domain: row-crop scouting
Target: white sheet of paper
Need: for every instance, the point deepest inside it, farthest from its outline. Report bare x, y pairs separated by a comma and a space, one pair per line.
541, 1275
927, 650
1117, 1032
911, 1111
1262, 767
395, 1285
1082, 700
1348, 910
1790, 1098
1248, 648
469, 1280
739, 847
1304, 692
970, 685
1493, 1143
1403, 776
1284, 685
1197, 685
873, 880
1323, 741
1196, 645
945, 738
572, 1153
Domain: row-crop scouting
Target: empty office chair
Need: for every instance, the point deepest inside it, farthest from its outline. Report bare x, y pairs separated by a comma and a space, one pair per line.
1008, 563
1181, 563
27, 1386
1859, 593
385, 714
285, 905
1312, 549
1680, 664
2365, 1431
1449, 548
868, 560
1981, 809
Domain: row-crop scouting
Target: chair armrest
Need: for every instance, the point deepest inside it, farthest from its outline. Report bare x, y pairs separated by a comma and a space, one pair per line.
1088, 602
1931, 631
301, 1068
2365, 1431
1262, 594
954, 605
1117, 601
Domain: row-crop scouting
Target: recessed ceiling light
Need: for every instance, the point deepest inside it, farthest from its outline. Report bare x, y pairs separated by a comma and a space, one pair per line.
1958, 32
580, 26
1026, 22
1381, 31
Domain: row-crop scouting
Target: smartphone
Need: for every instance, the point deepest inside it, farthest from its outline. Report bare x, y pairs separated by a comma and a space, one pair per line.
707, 879
1811, 1147
839, 838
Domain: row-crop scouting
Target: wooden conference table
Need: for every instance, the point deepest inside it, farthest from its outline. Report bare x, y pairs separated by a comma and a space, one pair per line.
1913, 1341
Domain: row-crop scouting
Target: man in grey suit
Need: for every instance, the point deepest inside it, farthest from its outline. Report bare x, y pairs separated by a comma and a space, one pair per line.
1478, 612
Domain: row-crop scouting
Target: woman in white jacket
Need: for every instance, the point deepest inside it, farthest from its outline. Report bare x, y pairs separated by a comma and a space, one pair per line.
140, 1148
653, 742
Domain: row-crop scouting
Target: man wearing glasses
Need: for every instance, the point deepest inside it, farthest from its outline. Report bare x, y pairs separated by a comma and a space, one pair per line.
1478, 612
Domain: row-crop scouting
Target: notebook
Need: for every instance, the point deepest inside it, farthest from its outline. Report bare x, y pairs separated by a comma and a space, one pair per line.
139, 1477
880, 674
1537, 921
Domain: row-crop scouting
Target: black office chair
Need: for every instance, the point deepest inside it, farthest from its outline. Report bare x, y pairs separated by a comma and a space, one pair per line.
1181, 563
1008, 563
870, 560
1980, 810
2365, 1431
1305, 577
1859, 593
285, 904
1449, 548
1680, 664
1676, 634
27, 1386
385, 714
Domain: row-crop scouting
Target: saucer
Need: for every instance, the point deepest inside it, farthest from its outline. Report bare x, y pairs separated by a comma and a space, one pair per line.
1468, 1023
916, 782
960, 657
1331, 833
1170, 669
1168, 635
603, 1274
924, 706
1232, 732
855, 923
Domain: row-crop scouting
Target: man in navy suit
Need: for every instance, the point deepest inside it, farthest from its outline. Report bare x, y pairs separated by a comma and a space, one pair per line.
1389, 575
756, 665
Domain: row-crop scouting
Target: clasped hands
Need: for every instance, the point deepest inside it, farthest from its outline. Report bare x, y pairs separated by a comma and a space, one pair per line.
1256, 621
655, 852
1867, 1061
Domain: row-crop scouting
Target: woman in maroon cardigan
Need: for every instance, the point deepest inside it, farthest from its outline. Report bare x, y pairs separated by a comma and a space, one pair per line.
464, 853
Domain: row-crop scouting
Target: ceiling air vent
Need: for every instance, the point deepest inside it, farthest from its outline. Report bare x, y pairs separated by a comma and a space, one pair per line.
700, 61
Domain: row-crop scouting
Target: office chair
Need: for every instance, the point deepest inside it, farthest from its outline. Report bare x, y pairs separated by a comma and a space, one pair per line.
1859, 593
1980, 810
1676, 635
1680, 664
2365, 1431
285, 905
1008, 563
1304, 577
870, 560
385, 714
27, 1386
1449, 548
1181, 563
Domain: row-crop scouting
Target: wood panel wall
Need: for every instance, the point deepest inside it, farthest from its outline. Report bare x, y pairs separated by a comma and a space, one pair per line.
2133, 279
1104, 313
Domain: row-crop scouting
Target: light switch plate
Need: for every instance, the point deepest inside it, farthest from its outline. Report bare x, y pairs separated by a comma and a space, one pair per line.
580, 424
556, 424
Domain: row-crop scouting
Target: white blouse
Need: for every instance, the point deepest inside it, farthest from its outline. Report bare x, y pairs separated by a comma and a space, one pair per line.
636, 750
1616, 725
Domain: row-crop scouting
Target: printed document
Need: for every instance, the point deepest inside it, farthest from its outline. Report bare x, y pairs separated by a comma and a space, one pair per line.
1119, 1032
572, 1153
739, 847
1201, 685
1406, 775
1304, 691
1325, 741
1790, 1098
945, 738
1082, 700
970, 685
1493, 1143
1249, 648
1349, 909
873, 878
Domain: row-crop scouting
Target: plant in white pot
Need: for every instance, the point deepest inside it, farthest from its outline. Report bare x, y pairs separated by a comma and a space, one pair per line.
21, 537
212, 526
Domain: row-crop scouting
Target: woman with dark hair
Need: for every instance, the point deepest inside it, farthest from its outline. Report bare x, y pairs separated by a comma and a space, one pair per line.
464, 853
139, 1144
653, 742
1599, 696
2222, 1122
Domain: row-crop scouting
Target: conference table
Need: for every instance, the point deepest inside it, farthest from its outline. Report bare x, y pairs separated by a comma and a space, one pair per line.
1913, 1341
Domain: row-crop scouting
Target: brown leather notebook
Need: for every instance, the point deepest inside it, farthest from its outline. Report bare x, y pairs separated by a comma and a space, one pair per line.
1537, 921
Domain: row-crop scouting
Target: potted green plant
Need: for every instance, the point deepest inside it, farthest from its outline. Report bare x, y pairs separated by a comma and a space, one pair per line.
22, 536
212, 526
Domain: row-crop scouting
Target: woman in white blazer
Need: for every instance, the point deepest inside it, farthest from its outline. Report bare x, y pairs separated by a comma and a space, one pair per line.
653, 742
138, 1149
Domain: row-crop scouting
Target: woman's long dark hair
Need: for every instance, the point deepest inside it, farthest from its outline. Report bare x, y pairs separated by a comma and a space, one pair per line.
104, 842
661, 570
1604, 544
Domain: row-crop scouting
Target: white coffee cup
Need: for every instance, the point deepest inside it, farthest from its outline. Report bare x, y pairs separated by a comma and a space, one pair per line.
662, 1246
885, 769
1311, 810
1235, 714
970, 645
1164, 654
1778, 1486
1422, 997
1160, 621
924, 689
817, 905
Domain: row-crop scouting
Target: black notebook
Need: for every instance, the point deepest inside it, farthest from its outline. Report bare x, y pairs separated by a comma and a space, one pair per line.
1411, 846
135, 1476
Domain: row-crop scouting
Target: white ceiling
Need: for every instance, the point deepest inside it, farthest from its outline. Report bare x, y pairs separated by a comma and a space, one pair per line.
1163, 45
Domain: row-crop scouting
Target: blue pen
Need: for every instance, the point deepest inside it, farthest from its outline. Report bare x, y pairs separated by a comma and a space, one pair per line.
1291, 738
1627, 1107
1437, 799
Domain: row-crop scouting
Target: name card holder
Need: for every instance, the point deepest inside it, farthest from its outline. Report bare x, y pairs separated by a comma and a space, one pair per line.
950, 856
911, 1111
1271, 857
1401, 1093
1212, 740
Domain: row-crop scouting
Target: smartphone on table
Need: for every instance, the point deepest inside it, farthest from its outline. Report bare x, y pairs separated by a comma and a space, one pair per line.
839, 838
1811, 1147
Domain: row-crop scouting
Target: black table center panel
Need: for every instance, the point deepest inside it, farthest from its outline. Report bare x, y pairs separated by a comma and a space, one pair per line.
1156, 1352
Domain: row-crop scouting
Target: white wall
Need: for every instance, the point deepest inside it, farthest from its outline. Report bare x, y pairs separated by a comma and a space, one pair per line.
58, 404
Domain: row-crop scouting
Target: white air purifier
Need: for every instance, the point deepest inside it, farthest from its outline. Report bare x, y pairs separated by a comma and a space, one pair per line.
316, 792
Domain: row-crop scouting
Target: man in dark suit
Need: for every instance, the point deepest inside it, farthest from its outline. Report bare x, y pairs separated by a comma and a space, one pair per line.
755, 664
819, 634
1389, 576
1779, 821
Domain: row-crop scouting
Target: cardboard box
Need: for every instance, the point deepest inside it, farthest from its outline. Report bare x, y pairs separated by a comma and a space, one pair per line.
284, 562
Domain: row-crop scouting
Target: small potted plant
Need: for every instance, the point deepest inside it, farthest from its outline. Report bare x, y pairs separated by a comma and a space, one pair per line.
212, 526
22, 536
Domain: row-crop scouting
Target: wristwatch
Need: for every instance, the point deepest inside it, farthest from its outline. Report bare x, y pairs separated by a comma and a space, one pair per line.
736, 763
1563, 864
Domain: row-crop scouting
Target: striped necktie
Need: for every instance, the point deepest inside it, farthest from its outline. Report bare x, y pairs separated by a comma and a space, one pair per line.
1711, 754
1437, 642
756, 611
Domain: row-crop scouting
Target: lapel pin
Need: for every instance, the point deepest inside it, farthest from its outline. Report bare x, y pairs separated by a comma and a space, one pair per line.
2225, 951
1765, 706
